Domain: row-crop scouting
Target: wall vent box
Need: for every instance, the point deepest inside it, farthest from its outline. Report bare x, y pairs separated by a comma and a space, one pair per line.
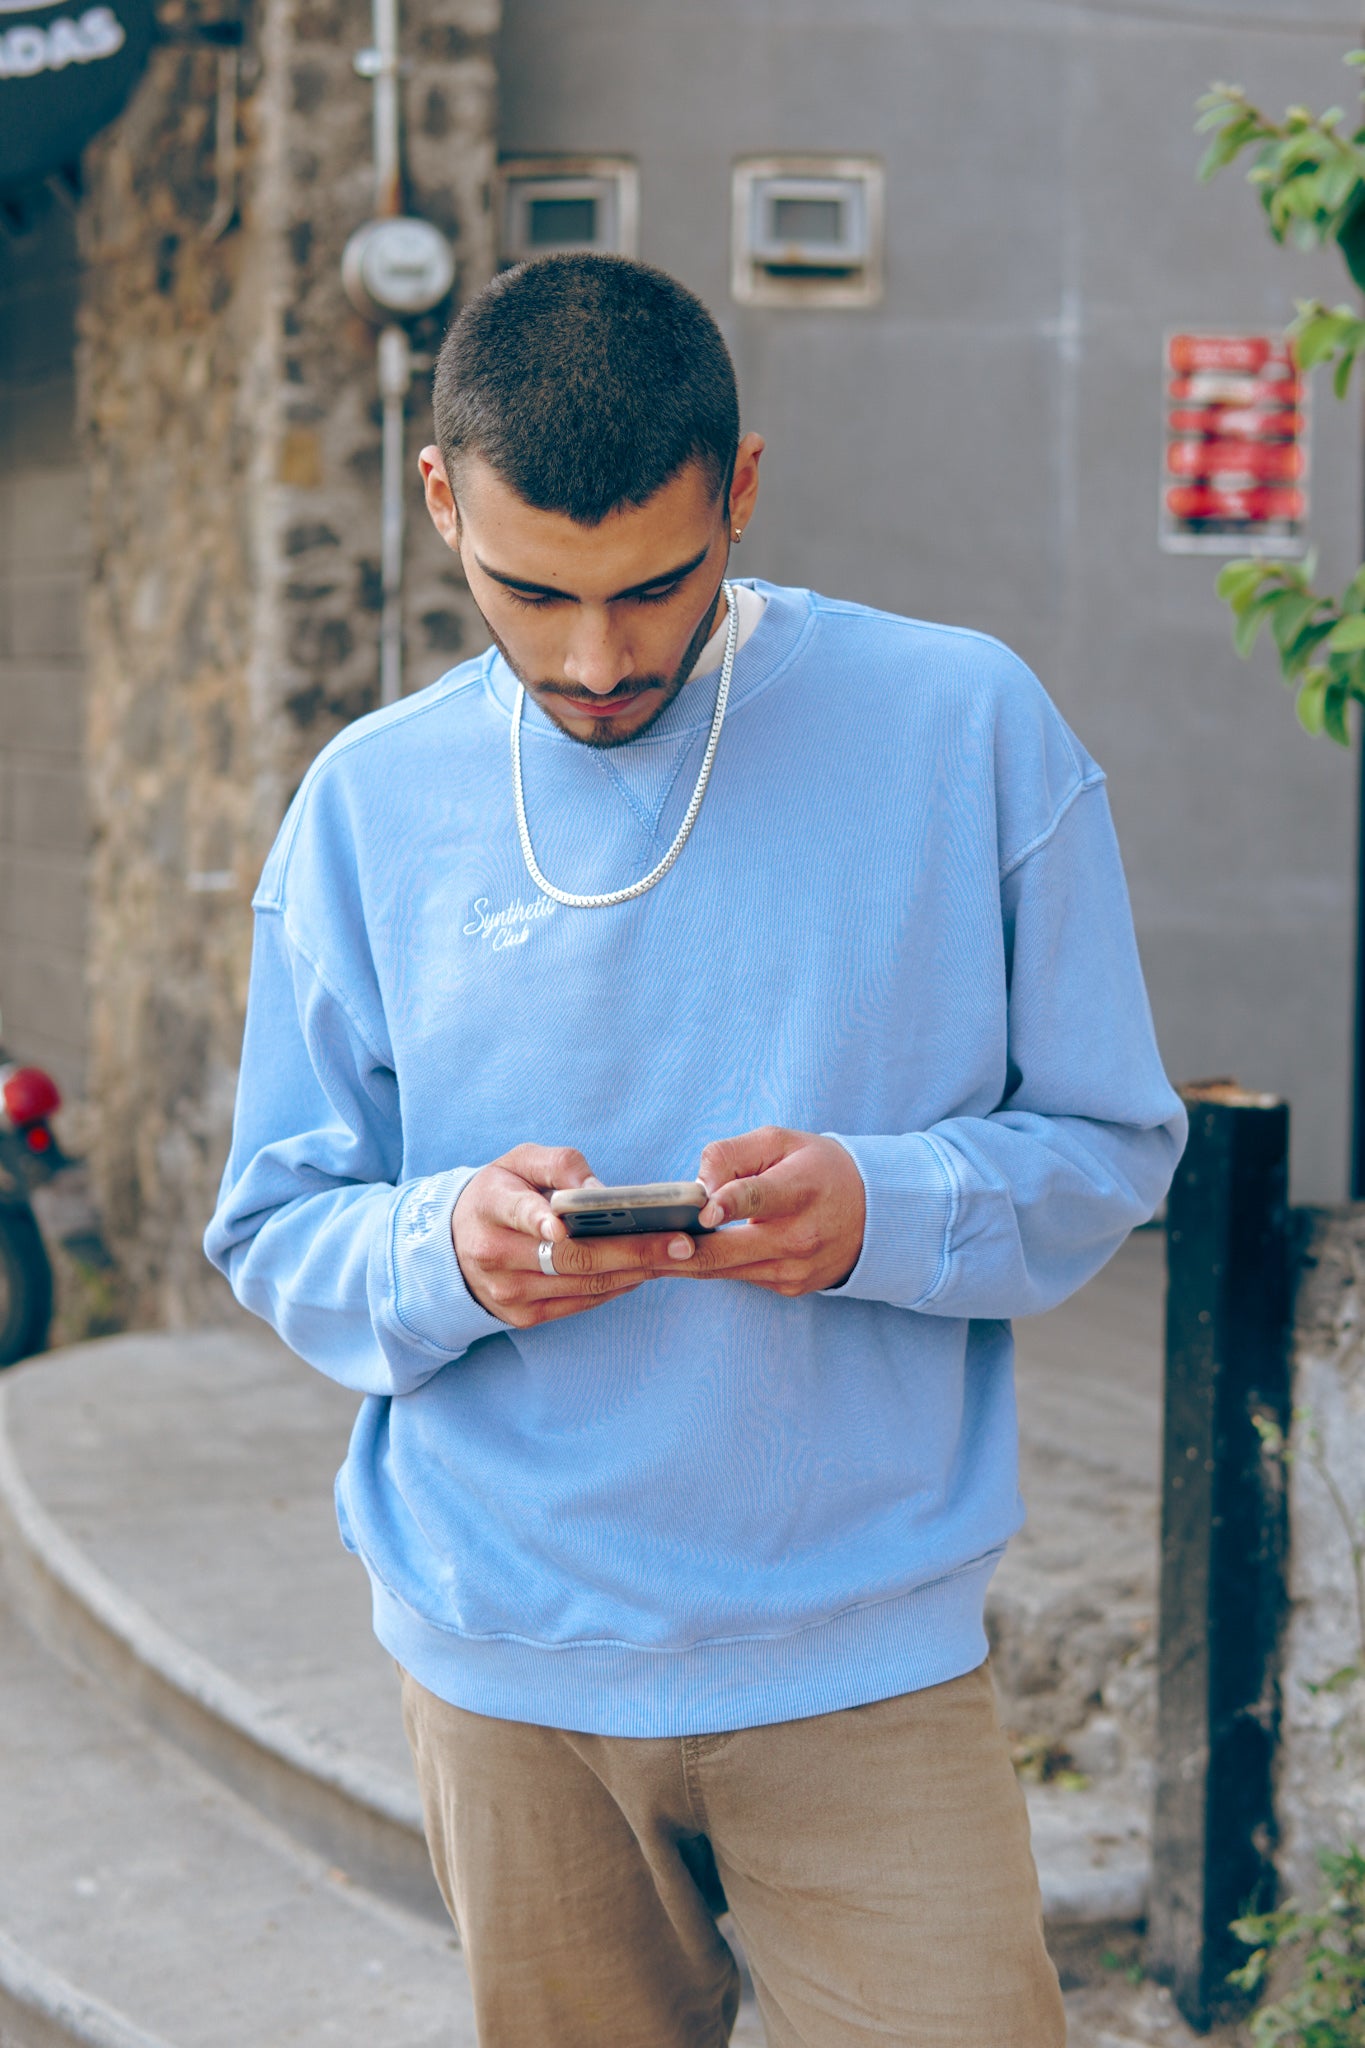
554, 205
807, 231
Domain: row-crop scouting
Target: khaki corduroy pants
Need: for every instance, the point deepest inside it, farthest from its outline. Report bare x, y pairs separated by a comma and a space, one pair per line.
876, 1863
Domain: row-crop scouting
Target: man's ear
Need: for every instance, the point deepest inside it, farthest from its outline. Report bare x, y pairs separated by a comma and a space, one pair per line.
744, 488
445, 513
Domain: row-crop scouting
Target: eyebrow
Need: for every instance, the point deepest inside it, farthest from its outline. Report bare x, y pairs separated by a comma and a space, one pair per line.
677, 575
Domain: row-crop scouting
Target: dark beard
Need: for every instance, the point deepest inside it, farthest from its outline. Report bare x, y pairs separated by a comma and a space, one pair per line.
607, 734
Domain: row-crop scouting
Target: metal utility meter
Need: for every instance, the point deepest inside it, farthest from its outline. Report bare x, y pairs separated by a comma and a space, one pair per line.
397, 267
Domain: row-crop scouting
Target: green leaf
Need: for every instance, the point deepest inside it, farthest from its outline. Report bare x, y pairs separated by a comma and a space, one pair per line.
1338, 1681
1289, 614
1348, 634
1294, 658
1334, 709
1350, 230
1339, 182
1220, 90
1216, 111
1354, 57
1316, 337
1252, 1973
1302, 195
1238, 580
1226, 145
1341, 376
1310, 701
1250, 622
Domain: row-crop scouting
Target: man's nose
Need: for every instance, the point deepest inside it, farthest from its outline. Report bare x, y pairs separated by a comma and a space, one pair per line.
595, 658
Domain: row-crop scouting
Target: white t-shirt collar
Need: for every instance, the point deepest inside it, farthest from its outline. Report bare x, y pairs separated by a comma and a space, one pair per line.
751, 605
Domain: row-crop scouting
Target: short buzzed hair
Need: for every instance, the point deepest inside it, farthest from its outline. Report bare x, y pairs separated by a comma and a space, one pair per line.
587, 382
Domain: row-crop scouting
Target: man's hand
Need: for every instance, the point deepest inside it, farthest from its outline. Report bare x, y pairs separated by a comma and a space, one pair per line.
503, 1217
802, 1204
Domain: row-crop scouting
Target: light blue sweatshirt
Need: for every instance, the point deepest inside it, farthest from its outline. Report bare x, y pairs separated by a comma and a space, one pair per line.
900, 920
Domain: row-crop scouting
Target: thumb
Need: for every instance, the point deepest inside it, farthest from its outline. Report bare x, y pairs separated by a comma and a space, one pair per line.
727, 1159
549, 1166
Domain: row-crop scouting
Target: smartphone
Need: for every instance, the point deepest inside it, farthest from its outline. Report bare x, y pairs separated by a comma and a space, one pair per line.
624, 1212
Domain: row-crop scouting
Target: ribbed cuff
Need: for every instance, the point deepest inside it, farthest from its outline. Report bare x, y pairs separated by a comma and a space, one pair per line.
430, 1298
911, 1202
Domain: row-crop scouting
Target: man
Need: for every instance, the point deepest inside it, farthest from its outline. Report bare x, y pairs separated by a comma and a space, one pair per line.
682, 1544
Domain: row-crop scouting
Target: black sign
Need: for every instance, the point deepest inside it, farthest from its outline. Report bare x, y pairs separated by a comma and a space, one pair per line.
66, 70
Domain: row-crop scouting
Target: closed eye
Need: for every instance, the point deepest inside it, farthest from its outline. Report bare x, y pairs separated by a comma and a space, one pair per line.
533, 603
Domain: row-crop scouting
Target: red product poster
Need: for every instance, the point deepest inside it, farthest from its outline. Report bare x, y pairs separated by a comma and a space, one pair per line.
1235, 449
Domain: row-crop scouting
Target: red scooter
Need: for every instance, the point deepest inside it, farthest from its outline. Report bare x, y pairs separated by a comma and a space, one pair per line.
29, 1155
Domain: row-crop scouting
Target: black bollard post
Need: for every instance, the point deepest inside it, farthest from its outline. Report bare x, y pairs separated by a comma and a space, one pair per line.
1223, 1540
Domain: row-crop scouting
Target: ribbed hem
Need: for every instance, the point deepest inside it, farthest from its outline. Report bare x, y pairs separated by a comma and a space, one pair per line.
869, 1653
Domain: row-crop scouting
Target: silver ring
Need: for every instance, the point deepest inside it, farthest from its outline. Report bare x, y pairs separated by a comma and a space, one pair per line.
546, 1254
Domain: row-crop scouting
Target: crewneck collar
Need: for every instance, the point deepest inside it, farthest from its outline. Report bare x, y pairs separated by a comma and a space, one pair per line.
786, 618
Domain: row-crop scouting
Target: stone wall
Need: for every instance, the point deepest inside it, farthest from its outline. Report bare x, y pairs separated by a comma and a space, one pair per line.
43, 569
320, 653
176, 407
1321, 1788
232, 443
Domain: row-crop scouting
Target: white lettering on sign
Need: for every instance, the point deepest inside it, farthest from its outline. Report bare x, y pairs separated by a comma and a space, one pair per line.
26, 51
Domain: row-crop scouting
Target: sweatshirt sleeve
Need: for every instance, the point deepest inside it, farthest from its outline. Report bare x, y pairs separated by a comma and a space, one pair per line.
313, 1230
1006, 1214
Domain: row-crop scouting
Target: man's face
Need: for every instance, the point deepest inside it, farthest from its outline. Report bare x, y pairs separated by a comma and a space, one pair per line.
602, 624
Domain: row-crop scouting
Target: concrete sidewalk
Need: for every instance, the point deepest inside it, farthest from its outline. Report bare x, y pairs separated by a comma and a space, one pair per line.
168, 1503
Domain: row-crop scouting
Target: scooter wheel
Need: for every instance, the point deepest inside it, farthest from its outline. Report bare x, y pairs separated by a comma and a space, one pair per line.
25, 1286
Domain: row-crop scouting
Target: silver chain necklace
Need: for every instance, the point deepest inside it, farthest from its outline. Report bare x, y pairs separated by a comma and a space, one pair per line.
657, 874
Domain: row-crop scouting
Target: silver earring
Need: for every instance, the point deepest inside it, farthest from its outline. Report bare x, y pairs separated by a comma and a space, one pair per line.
739, 533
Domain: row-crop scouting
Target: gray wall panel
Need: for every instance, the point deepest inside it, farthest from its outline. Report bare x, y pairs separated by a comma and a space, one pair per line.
984, 447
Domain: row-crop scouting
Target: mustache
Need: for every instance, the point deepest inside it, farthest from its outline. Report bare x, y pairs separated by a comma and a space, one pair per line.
620, 694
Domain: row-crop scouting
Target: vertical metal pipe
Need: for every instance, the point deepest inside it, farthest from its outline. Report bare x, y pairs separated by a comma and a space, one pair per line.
395, 374
394, 357
388, 162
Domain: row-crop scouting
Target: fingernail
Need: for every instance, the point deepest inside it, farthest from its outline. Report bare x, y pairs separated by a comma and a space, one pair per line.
593, 1182
680, 1248
711, 1216
547, 1229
